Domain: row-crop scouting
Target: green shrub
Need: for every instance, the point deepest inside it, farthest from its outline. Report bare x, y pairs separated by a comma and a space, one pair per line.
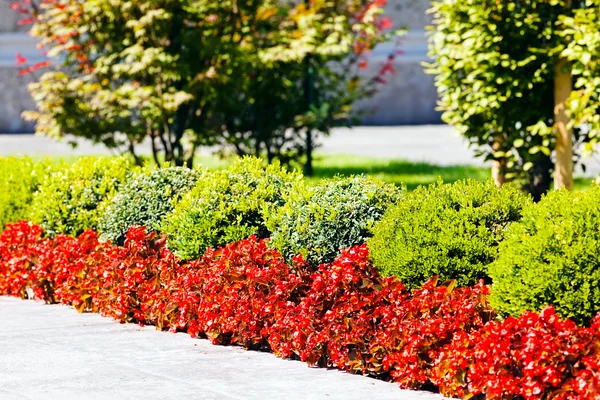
338, 213
19, 179
552, 257
450, 230
73, 198
145, 201
227, 206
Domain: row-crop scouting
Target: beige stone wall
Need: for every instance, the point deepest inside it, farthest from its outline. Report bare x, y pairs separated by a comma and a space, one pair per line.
408, 98
14, 97
409, 13
9, 18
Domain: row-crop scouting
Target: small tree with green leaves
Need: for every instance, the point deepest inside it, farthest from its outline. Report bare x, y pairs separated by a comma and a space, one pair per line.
182, 73
503, 80
583, 50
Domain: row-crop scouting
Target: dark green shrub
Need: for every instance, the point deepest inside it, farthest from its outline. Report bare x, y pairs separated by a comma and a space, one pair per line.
19, 179
339, 213
450, 230
73, 198
145, 201
552, 257
227, 206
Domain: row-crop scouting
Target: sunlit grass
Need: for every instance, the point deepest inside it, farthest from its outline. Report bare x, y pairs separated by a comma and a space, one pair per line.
410, 173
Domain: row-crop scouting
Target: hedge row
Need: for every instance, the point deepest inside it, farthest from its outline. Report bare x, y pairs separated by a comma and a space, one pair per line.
344, 315
20, 178
533, 255
197, 209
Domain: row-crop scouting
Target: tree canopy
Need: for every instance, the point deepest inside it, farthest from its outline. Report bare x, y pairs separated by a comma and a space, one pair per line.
189, 73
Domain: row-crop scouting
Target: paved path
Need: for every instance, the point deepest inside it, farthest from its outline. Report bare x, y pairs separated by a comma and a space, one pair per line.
50, 352
434, 143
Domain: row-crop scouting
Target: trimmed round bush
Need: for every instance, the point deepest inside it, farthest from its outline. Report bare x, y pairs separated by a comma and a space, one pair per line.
552, 257
19, 180
449, 230
226, 206
145, 201
73, 198
317, 222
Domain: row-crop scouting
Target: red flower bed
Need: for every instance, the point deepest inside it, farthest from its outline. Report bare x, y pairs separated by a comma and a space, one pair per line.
534, 356
343, 315
355, 320
243, 288
19, 248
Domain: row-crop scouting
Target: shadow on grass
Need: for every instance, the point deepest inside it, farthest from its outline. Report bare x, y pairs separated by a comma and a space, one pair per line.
412, 174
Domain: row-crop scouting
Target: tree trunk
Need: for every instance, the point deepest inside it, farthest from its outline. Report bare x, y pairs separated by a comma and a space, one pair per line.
308, 92
499, 166
563, 86
539, 177
190, 154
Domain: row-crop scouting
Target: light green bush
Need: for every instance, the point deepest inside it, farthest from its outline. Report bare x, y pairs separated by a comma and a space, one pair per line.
338, 213
19, 179
73, 198
145, 200
450, 230
227, 206
552, 257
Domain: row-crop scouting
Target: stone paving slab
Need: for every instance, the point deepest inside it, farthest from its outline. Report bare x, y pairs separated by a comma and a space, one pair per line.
50, 352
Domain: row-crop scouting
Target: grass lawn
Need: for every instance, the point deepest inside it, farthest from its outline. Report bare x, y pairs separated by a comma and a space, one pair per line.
412, 174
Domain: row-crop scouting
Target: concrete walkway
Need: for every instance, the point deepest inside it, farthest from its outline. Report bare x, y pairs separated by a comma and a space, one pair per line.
433, 143
436, 144
50, 352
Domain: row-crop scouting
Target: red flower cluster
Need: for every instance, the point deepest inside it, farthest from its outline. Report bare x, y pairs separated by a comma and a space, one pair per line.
19, 247
343, 315
243, 287
355, 320
533, 356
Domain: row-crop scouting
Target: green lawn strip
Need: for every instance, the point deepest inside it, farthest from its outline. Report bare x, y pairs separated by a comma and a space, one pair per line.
411, 173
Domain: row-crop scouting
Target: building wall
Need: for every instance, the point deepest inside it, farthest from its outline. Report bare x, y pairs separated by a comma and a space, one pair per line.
14, 97
409, 97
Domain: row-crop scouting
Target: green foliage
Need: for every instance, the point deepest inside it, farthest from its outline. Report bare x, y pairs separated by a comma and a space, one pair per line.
450, 230
399, 172
227, 206
583, 49
73, 198
145, 201
188, 73
552, 257
494, 63
19, 179
339, 213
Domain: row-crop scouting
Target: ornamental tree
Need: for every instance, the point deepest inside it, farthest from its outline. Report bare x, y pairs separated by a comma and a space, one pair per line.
583, 51
504, 79
184, 73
